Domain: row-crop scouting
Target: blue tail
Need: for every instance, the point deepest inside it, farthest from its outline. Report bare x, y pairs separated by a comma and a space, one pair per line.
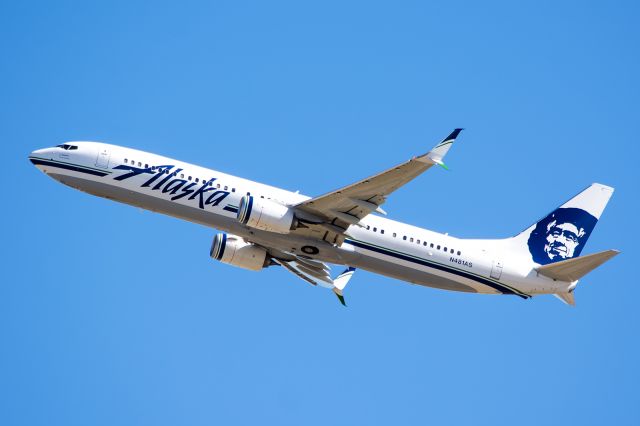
563, 233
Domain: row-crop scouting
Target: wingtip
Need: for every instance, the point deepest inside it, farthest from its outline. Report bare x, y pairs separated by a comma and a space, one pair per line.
455, 133
340, 297
447, 141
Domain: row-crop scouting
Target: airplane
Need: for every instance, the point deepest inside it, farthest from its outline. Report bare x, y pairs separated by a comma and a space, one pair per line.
264, 226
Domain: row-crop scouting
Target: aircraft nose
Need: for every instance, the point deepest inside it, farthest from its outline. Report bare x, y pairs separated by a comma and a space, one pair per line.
39, 155
43, 153
39, 152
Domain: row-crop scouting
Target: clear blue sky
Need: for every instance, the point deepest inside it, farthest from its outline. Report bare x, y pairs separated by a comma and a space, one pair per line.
114, 316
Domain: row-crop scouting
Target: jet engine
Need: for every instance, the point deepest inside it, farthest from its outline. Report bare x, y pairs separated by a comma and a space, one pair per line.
266, 215
233, 250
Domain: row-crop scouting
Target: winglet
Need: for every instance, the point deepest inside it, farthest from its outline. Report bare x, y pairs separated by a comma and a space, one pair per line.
438, 152
340, 296
341, 281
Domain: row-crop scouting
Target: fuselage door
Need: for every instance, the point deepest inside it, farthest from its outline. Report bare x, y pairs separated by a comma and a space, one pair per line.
496, 269
102, 160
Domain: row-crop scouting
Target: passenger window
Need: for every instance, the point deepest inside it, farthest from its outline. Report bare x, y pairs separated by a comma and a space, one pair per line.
146, 166
451, 251
459, 253
438, 247
424, 243
226, 187
233, 190
394, 235
189, 177
445, 249
431, 245
382, 231
368, 227
248, 193
418, 241
139, 164
181, 175
125, 161
375, 229
404, 238
411, 239
218, 186
197, 180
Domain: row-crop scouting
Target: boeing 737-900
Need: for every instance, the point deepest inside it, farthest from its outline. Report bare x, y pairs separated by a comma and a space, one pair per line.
263, 226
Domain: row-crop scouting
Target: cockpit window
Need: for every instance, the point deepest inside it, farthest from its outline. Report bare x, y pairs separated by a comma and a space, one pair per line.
67, 147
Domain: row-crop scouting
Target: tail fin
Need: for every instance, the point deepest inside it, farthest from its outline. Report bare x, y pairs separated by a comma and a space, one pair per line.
562, 234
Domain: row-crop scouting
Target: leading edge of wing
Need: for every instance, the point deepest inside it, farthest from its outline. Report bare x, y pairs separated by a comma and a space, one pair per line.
361, 198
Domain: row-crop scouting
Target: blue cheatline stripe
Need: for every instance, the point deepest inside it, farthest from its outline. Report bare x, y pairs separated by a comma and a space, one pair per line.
70, 164
67, 166
500, 287
230, 208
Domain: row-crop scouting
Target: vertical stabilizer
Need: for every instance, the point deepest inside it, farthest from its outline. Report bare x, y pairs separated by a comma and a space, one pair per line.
562, 234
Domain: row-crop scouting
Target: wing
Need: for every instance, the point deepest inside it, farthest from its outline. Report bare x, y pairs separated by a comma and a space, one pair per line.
335, 211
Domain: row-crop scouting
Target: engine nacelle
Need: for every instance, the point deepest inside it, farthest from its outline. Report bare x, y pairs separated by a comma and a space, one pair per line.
266, 215
233, 250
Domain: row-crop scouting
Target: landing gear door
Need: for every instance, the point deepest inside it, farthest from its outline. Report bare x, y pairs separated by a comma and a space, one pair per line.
496, 269
102, 160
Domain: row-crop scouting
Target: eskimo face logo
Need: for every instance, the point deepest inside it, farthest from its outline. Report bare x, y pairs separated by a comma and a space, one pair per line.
561, 235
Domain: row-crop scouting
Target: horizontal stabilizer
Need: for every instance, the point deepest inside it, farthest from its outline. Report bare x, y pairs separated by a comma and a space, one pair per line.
566, 298
573, 269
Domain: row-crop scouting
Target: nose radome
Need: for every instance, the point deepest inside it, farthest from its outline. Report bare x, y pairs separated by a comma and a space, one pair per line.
41, 157
39, 152
44, 153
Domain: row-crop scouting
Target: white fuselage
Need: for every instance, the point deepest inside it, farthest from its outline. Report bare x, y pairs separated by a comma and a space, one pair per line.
211, 198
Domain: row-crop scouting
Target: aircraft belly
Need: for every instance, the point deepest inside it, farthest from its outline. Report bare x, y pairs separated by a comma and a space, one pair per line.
284, 242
